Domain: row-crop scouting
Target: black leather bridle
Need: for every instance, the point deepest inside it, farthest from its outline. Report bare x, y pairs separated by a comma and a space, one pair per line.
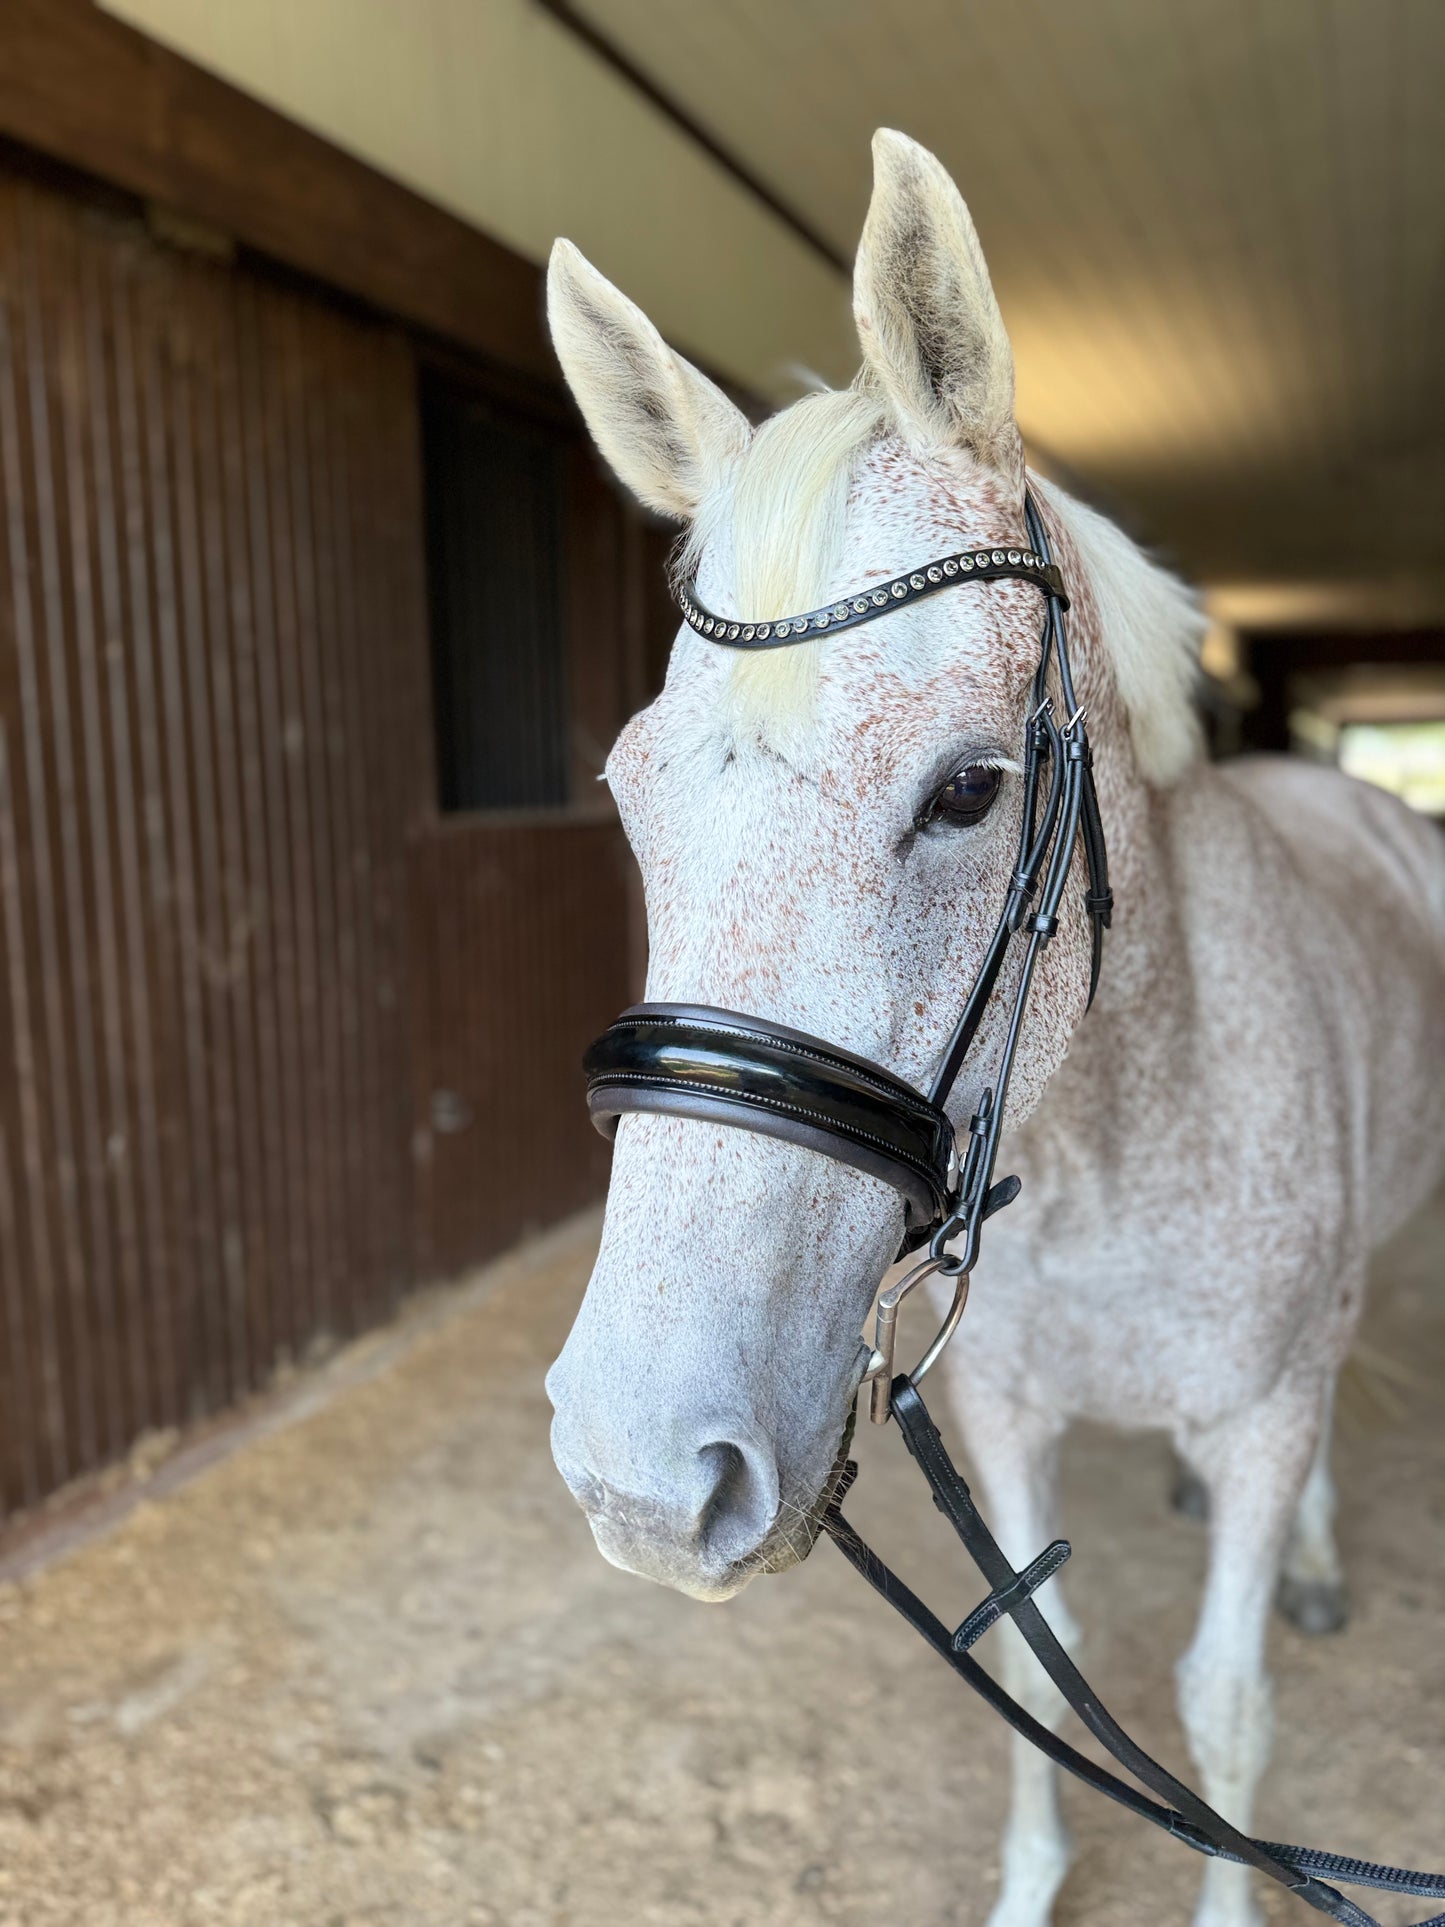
697, 1061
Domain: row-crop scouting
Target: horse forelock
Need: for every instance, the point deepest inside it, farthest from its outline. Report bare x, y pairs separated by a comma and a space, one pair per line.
781, 520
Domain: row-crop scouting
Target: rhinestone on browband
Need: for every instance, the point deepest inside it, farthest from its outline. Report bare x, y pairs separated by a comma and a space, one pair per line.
847, 613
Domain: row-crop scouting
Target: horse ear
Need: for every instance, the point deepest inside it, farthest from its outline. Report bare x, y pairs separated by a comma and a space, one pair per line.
667, 431
933, 339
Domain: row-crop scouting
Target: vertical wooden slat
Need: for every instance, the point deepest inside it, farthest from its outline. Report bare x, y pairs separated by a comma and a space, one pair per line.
200, 1331
31, 1316
20, 1478
398, 470
249, 1280
336, 799
225, 1370
111, 1156
170, 939
149, 1278
274, 1120
25, 848
371, 494
270, 724
286, 646
74, 1077
336, 565
50, 768
377, 496
314, 832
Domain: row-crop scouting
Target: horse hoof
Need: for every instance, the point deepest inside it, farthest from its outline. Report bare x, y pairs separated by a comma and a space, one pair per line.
1190, 1497
1314, 1605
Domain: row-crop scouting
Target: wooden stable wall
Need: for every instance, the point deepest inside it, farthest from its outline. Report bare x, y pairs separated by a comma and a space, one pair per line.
522, 956
277, 1041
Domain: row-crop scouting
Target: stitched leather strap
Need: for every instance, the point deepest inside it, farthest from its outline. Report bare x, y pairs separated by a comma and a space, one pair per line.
1178, 1810
1002, 1599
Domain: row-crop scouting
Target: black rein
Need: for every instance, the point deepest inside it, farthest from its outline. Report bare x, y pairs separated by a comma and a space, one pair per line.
1305, 1871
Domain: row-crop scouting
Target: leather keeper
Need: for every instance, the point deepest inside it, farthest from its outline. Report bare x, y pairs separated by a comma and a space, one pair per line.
692, 1060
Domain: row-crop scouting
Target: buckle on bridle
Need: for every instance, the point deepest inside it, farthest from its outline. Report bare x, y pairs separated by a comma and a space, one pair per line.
879, 1372
971, 1205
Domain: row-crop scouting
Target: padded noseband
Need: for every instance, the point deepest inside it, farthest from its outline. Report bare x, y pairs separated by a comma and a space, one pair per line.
692, 1060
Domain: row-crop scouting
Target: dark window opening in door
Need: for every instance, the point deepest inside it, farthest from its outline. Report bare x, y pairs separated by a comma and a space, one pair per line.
495, 510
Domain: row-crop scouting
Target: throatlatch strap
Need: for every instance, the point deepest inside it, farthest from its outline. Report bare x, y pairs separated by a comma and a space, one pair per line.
1179, 1810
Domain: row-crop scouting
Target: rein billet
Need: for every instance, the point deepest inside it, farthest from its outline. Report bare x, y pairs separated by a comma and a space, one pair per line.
726, 1067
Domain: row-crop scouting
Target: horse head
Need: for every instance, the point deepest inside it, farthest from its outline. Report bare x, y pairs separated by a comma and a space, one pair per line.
825, 833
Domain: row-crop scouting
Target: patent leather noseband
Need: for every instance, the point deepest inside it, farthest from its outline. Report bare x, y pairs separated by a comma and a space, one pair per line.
692, 1060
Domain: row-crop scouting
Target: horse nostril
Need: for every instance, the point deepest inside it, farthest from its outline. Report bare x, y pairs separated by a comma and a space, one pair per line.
743, 1500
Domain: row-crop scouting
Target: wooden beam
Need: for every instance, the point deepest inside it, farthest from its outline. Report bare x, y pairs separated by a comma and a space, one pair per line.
615, 56
87, 90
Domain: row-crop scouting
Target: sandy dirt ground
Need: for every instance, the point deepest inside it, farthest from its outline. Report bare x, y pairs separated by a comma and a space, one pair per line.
368, 1671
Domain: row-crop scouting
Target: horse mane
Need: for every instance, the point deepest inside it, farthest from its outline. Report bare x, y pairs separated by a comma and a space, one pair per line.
1151, 627
782, 522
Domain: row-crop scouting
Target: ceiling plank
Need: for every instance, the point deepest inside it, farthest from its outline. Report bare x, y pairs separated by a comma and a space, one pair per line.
1217, 231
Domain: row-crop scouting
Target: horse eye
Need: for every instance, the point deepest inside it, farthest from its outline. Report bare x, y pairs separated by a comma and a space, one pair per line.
966, 797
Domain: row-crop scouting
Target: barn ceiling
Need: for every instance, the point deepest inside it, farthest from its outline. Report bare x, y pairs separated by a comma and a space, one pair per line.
1217, 232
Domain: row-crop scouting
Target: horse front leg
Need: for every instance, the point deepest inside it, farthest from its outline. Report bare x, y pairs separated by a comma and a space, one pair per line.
1254, 1467
1015, 1453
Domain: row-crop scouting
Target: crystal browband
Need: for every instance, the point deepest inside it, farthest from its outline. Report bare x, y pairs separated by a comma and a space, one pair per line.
849, 611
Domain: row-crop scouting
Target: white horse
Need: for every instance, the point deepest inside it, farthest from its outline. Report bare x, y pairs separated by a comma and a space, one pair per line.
1254, 1101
